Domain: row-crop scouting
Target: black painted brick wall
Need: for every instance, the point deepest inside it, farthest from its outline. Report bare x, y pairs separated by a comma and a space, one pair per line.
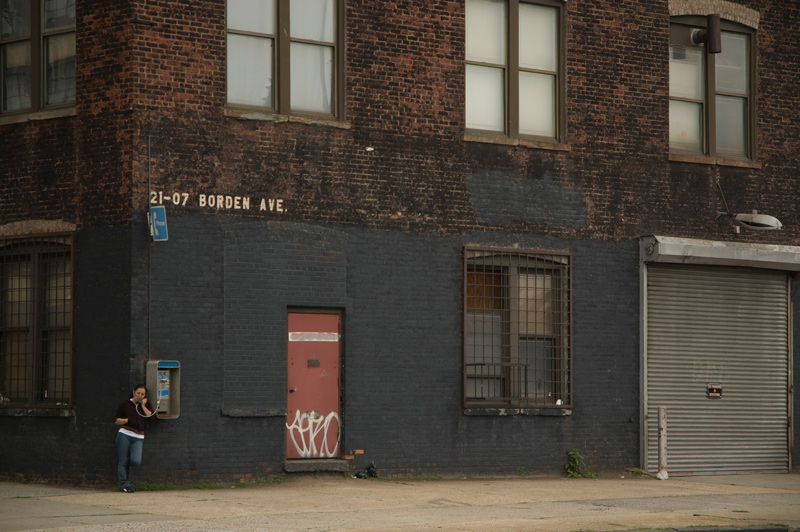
227, 286
81, 448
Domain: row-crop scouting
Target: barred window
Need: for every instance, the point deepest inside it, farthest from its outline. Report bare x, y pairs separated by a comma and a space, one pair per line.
517, 328
36, 322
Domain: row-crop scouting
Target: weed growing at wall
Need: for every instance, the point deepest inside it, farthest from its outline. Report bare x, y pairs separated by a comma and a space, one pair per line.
576, 465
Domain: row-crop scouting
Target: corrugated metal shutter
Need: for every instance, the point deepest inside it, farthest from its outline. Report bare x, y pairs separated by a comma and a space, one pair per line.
727, 326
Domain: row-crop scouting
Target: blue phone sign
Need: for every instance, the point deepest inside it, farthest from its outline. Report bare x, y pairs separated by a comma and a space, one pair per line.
158, 223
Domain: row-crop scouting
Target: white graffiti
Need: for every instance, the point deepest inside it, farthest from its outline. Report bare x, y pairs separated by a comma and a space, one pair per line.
307, 428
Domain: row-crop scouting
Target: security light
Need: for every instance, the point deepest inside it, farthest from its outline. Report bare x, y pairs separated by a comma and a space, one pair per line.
712, 35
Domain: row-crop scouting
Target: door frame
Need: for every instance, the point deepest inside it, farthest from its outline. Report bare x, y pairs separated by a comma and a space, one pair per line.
340, 398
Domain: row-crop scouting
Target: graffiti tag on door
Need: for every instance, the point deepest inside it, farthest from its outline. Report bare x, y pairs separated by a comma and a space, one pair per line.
309, 433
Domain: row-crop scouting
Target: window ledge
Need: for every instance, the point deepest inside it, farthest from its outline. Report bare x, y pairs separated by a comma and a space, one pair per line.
251, 114
719, 161
509, 141
549, 412
36, 412
252, 412
41, 115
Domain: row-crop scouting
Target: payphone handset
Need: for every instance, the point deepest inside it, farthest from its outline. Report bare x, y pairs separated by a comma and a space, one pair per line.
163, 378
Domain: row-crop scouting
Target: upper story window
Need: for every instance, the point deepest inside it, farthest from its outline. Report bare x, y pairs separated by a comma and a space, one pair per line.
712, 107
514, 68
36, 322
37, 54
286, 55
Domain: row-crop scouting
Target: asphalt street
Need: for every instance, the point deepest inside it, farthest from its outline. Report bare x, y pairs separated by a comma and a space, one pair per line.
338, 503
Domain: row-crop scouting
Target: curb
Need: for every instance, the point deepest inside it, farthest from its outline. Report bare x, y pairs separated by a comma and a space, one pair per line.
757, 528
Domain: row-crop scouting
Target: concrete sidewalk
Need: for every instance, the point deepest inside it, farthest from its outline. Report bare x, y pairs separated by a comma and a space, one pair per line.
335, 503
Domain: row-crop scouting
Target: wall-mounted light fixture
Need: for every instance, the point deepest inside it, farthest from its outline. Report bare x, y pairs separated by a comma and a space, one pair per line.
752, 220
758, 222
712, 35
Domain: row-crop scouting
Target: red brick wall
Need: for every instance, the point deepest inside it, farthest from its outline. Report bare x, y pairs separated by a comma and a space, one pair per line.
156, 70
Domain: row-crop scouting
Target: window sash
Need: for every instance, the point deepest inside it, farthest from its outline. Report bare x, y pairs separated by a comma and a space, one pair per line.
286, 63
711, 108
514, 59
37, 55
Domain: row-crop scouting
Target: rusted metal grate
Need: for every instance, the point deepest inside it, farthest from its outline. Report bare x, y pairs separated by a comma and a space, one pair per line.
36, 321
517, 328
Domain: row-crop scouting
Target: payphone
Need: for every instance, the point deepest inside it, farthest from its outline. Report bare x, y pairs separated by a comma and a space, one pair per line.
164, 387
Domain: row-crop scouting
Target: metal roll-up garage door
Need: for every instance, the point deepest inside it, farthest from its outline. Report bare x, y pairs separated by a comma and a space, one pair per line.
713, 329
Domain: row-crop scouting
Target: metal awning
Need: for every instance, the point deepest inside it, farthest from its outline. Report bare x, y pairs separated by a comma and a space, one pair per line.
678, 250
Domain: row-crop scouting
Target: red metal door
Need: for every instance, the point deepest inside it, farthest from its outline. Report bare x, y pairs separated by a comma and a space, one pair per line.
312, 423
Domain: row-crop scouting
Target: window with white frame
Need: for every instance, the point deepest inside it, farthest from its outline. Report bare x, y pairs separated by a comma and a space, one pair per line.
285, 56
36, 322
37, 55
517, 328
711, 111
514, 68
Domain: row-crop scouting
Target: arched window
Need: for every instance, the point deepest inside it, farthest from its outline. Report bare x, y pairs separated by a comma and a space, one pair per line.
712, 97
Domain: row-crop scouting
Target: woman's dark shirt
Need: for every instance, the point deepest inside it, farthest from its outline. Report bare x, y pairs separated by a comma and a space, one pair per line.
135, 420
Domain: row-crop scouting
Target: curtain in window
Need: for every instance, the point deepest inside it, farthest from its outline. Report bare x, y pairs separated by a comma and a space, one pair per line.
312, 60
312, 77
485, 75
250, 70
16, 65
60, 69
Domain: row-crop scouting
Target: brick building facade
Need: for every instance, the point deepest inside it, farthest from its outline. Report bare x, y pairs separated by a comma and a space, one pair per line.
498, 289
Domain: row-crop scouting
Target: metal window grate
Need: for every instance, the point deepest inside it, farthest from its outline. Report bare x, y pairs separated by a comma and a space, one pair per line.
36, 321
517, 328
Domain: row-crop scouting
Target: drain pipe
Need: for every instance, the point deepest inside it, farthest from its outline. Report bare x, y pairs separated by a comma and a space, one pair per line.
662, 444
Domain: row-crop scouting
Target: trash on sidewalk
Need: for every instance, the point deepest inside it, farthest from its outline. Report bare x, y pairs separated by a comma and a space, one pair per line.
368, 472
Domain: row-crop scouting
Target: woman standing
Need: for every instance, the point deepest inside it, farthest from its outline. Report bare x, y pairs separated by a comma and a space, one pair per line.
132, 418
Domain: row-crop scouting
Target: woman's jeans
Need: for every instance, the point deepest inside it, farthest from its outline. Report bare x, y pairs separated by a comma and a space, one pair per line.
129, 450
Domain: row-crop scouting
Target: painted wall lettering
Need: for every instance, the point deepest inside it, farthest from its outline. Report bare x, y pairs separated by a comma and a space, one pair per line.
218, 202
